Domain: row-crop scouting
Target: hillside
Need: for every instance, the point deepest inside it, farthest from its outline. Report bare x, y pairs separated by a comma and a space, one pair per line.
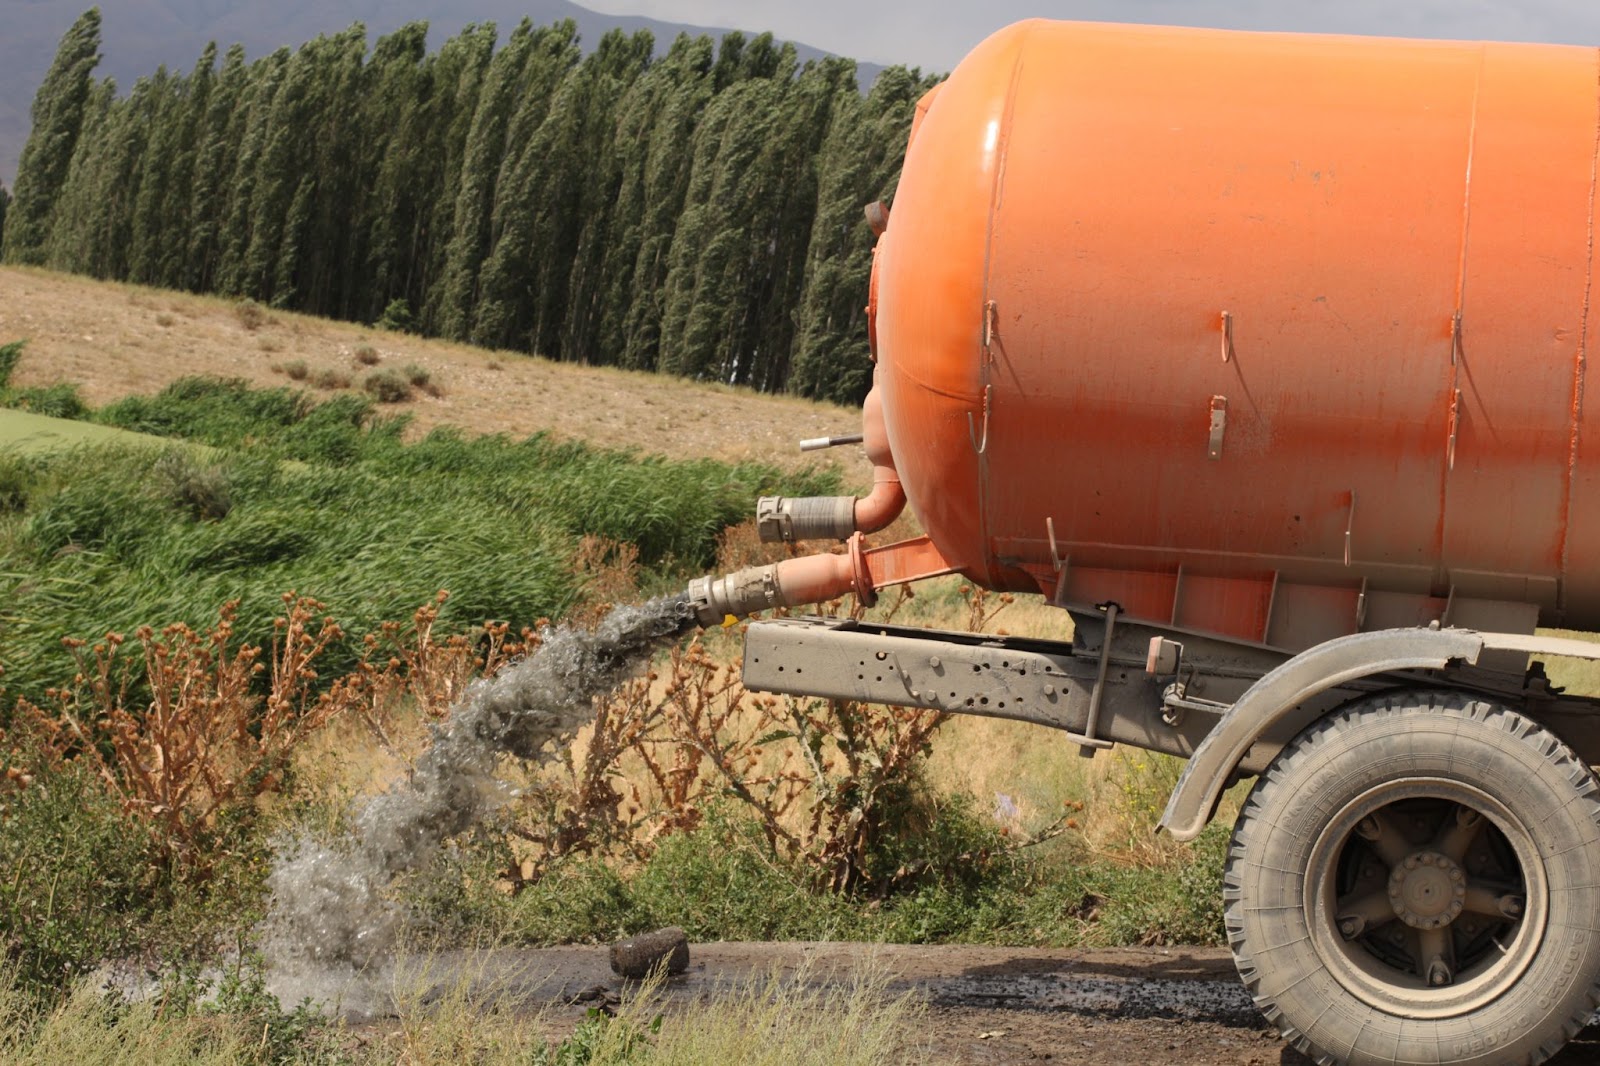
698, 213
144, 34
115, 340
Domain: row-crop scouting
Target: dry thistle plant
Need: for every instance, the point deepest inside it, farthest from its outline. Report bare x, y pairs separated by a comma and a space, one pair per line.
609, 572
827, 781
582, 803
406, 664
194, 741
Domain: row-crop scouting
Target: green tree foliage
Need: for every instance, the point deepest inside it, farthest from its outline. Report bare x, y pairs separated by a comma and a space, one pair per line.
697, 212
58, 112
486, 145
462, 66
219, 126
858, 163
389, 217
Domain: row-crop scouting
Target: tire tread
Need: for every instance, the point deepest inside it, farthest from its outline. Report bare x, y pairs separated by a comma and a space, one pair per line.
1281, 773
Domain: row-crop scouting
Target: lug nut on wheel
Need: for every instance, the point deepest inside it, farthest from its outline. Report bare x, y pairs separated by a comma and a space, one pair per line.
1352, 926
1439, 973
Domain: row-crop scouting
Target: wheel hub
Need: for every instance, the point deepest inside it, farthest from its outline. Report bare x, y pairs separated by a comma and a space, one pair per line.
1427, 896
1428, 890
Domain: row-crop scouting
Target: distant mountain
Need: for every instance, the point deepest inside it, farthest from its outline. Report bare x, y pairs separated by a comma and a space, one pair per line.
141, 35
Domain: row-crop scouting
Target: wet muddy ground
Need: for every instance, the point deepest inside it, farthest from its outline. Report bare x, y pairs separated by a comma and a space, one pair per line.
1128, 1006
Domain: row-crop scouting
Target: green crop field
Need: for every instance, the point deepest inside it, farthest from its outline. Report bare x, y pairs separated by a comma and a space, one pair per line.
121, 522
27, 433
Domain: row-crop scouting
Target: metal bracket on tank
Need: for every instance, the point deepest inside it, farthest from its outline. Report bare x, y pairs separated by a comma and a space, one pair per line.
1350, 527
1057, 560
1227, 336
980, 444
1088, 743
1455, 428
1219, 426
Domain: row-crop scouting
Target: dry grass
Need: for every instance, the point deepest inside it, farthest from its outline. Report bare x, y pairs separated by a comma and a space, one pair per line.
110, 339
793, 1022
88, 1029
794, 1019
469, 1016
331, 379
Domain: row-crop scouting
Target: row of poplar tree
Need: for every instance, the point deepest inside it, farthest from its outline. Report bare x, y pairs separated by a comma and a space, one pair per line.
697, 213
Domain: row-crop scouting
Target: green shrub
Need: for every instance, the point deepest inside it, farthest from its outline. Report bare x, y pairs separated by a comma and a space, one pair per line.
60, 400
251, 315
80, 882
19, 477
94, 513
721, 881
396, 316
387, 386
199, 490
215, 411
10, 354
602, 1038
331, 379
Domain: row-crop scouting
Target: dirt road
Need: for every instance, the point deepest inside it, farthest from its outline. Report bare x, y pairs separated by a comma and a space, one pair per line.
1117, 1007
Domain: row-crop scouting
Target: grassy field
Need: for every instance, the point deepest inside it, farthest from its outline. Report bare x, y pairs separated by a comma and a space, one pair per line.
327, 500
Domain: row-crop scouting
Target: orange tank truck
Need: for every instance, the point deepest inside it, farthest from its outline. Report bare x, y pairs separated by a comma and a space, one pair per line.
1263, 356
1229, 310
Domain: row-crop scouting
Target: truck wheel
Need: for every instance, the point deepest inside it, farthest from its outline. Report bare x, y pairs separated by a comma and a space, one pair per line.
1416, 879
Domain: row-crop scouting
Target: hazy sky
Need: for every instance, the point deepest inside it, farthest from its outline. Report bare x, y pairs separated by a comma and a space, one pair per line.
935, 34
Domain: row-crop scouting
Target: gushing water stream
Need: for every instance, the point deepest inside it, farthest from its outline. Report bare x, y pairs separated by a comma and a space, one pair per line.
328, 905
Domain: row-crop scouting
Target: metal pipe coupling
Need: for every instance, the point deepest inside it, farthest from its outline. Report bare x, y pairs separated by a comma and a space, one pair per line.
785, 520
741, 593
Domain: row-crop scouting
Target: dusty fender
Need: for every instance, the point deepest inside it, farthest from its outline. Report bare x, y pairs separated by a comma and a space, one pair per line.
1282, 693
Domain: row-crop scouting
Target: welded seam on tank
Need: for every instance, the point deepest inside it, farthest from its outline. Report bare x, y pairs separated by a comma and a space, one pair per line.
1441, 568
996, 195
1580, 364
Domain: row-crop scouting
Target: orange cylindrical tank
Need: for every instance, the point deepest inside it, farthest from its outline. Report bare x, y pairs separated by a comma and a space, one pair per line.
1270, 335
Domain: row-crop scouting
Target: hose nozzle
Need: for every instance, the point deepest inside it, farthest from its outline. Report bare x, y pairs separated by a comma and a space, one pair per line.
809, 579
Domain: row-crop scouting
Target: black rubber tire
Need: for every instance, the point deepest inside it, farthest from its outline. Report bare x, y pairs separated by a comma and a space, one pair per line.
1415, 736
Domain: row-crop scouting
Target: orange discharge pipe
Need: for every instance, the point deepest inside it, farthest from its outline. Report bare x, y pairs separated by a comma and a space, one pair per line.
859, 570
789, 519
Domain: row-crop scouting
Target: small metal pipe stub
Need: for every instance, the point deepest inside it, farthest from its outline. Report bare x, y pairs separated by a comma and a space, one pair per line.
817, 444
786, 520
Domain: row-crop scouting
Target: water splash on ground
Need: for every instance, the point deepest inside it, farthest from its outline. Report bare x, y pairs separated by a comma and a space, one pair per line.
328, 903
